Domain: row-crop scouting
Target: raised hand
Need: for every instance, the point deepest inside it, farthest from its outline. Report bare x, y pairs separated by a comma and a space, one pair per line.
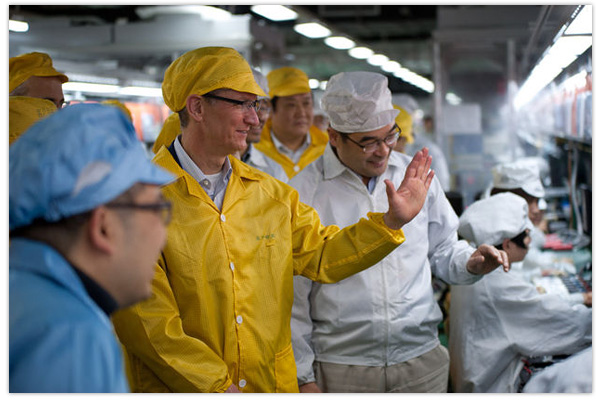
408, 199
487, 258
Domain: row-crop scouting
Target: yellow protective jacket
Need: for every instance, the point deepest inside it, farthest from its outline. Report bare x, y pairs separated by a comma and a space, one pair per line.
223, 290
316, 148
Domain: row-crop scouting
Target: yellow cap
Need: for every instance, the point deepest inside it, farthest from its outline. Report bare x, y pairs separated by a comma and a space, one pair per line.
169, 130
23, 111
287, 81
23, 67
404, 121
206, 69
120, 105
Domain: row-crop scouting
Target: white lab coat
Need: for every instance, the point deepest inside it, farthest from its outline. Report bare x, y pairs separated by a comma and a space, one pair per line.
386, 314
500, 320
572, 375
263, 163
439, 164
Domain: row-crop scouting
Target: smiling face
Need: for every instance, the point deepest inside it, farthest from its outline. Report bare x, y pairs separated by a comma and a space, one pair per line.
364, 164
227, 125
254, 133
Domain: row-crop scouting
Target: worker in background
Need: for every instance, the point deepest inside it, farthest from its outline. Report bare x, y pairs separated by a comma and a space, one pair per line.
502, 330
251, 155
87, 221
320, 117
121, 106
24, 111
289, 137
33, 75
376, 331
522, 177
219, 319
405, 122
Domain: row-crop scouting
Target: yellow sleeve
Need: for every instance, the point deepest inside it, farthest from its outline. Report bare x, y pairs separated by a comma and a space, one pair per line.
152, 332
328, 254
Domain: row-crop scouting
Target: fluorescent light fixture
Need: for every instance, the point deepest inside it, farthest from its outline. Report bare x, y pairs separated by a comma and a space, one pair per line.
391, 66
17, 26
339, 42
377, 59
74, 77
274, 13
562, 53
140, 91
313, 83
206, 12
360, 53
452, 98
582, 23
89, 87
323, 85
312, 30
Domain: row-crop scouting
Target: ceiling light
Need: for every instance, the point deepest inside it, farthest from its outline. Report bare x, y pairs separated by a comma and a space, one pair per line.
360, 53
206, 12
17, 26
89, 87
339, 42
391, 66
582, 24
377, 59
274, 13
312, 30
313, 83
140, 91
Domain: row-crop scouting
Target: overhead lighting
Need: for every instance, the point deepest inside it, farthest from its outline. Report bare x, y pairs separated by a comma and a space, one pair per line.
17, 26
360, 53
274, 13
313, 83
89, 87
312, 30
582, 23
339, 42
208, 13
140, 91
377, 59
323, 85
452, 98
391, 66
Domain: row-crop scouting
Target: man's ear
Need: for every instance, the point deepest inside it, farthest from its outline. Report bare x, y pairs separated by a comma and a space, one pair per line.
333, 136
194, 107
100, 230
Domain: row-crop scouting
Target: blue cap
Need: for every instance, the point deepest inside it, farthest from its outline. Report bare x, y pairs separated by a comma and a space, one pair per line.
73, 161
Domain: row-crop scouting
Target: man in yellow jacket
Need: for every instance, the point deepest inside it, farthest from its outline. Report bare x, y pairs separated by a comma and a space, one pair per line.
289, 137
219, 318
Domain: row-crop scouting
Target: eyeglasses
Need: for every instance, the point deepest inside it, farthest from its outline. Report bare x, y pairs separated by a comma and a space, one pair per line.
164, 209
519, 239
246, 104
372, 146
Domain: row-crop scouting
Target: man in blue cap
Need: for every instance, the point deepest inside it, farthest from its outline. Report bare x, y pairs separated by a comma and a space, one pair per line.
87, 222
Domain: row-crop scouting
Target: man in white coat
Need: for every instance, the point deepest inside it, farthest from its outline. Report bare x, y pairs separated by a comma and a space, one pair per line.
502, 330
376, 331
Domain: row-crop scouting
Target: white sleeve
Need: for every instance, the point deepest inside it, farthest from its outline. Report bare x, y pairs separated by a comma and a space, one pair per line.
302, 326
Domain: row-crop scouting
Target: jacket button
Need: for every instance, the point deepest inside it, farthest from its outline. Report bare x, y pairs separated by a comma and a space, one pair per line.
242, 383
296, 168
222, 217
232, 266
239, 319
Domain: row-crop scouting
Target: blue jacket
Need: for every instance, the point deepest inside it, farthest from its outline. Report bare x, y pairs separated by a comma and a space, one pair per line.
59, 338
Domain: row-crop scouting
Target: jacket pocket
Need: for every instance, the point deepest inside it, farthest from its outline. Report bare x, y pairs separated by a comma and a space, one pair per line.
286, 380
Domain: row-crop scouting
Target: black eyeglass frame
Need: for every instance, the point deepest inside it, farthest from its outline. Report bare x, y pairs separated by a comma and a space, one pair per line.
246, 104
375, 144
164, 208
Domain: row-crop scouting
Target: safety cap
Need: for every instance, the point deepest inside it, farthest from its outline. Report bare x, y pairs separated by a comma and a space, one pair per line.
120, 105
204, 70
23, 67
358, 101
24, 111
287, 81
524, 174
405, 122
73, 161
494, 219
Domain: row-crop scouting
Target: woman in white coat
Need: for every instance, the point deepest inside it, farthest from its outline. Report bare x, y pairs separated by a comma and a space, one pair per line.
501, 323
